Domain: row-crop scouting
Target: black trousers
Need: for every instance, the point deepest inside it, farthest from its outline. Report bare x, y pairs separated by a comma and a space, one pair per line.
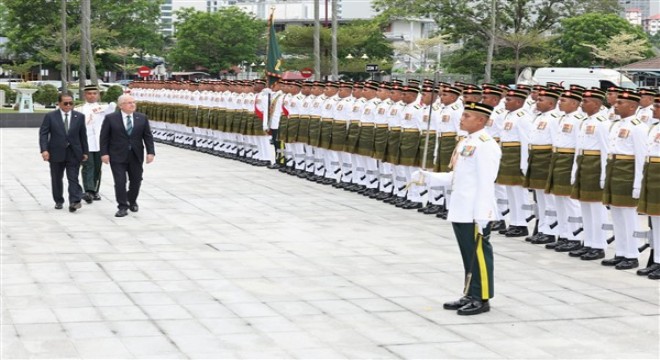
132, 168
72, 168
91, 172
477, 253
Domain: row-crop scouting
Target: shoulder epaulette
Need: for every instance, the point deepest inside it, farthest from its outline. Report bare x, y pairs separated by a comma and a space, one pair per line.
455, 107
635, 122
520, 113
484, 137
417, 107
499, 111
554, 115
579, 117
436, 107
601, 118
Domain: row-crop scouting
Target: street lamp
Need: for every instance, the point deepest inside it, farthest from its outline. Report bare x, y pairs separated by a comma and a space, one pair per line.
349, 56
364, 56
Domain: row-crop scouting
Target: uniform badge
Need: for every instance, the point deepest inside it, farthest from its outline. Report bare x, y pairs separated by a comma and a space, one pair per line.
340, 107
306, 105
590, 130
468, 150
316, 104
542, 125
567, 128
285, 103
381, 111
445, 118
293, 104
328, 106
657, 138
408, 116
623, 133
356, 108
425, 118
393, 112
508, 125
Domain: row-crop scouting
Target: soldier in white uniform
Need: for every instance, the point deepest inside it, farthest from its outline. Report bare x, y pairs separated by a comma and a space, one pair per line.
623, 181
588, 177
645, 110
94, 114
474, 168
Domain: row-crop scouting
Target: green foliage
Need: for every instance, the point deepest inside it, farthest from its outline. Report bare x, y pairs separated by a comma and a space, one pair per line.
357, 38
10, 95
216, 41
46, 95
34, 30
112, 94
595, 29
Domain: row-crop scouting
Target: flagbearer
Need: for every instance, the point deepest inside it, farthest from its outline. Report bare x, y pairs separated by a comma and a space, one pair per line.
475, 164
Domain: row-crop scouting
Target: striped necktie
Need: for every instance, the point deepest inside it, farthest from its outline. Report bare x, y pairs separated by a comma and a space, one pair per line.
129, 125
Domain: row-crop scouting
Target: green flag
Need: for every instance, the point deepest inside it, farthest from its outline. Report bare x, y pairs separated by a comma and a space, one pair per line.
273, 55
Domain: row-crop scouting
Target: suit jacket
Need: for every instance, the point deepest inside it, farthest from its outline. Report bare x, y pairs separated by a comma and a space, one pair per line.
55, 140
116, 142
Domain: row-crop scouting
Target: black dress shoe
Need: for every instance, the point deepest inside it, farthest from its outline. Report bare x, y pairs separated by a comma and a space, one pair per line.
134, 208
647, 270
504, 231
59, 206
455, 305
442, 214
569, 246
96, 197
593, 254
121, 213
559, 242
423, 209
613, 261
403, 202
544, 239
655, 275
474, 307
498, 225
75, 206
88, 197
579, 252
517, 231
433, 209
413, 205
627, 264
533, 237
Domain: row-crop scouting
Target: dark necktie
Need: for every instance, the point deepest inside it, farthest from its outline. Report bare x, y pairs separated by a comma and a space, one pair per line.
129, 125
66, 122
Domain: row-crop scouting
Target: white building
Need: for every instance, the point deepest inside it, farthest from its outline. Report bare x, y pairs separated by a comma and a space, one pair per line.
652, 24
634, 16
168, 10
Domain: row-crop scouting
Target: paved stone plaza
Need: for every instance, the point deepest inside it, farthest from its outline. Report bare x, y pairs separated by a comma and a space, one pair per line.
226, 260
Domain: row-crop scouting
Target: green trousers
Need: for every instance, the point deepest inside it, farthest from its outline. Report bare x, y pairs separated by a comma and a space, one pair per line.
477, 253
91, 172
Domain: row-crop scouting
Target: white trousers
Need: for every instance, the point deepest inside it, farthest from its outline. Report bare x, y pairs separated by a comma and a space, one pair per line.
594, 216
624, 220
545, 202
567, 208
516, 196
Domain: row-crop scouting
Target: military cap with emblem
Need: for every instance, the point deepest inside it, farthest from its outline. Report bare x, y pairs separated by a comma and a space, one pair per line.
452, 90
385, 86
577, 88
91, 88
549, 93
331, 84
647, 92
538, 87
492, 90
412, 83
572, 94
371, 86
308, 83
472, 91
479, 108
428, 88
550, 84
409, 89
656, 99
614, 89
524, 87
629, 94
521, 94
594, 93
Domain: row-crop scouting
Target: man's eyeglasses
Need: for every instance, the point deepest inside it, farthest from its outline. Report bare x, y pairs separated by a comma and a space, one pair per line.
67, 103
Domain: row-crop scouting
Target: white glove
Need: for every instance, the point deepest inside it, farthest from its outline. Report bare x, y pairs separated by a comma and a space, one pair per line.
417, 177
602, 184
572, 180
524, 171
636, 193
481, 225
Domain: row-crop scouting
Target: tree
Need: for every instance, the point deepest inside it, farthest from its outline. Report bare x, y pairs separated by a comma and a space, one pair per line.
356, 38
216, 41
621, 49
594, 29
518, 42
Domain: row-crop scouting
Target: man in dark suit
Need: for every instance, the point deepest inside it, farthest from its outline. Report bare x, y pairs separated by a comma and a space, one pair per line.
124, 137
63, 143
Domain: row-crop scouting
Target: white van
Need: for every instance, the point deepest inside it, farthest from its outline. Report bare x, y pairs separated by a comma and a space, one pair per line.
587, 77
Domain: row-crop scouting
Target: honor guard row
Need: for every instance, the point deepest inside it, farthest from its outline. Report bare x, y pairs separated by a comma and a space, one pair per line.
577, 151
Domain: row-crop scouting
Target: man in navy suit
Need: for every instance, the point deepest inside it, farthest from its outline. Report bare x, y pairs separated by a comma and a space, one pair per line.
63, 143
124, 137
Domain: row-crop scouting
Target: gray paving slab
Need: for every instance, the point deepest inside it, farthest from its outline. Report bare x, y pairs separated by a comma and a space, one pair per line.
225, 260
